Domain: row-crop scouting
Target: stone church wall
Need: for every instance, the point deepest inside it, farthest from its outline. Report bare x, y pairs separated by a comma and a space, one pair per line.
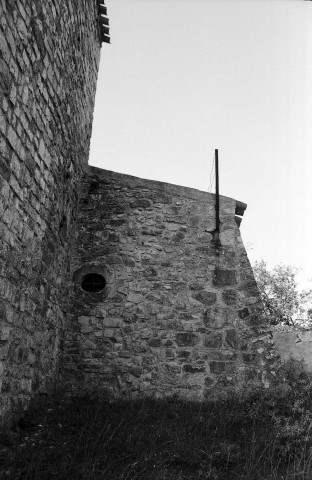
49, 55
178, 314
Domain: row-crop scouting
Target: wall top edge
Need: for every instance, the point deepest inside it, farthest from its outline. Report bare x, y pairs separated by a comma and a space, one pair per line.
101, 174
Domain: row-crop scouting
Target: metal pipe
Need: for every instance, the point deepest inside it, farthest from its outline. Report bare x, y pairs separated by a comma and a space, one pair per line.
217, 192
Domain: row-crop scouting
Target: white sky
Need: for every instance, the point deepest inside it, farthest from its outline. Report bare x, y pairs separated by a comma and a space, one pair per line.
182, 78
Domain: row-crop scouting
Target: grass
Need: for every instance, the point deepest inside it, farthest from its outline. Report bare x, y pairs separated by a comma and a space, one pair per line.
262, 434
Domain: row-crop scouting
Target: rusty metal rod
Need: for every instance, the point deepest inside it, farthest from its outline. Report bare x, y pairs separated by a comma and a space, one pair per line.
217, 192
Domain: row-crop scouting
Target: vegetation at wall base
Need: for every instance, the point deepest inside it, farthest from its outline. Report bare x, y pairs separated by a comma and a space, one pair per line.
250, 435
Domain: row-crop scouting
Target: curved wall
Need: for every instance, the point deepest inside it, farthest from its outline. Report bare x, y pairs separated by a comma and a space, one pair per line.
179, 314
48, 70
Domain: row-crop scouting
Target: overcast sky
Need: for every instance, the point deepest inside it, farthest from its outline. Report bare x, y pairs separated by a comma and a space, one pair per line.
182, 78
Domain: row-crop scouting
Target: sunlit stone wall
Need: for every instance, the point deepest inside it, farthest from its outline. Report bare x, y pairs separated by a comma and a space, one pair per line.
179, 313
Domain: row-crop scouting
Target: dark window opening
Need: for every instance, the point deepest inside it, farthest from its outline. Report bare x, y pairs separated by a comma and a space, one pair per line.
93, 282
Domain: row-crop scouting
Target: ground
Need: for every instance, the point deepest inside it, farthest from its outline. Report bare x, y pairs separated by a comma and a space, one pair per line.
264, 435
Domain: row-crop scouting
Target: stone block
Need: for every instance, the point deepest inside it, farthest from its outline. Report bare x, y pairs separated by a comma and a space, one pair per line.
214, 340
86, 329
12, 137
31, 358
109, 332
172, 368
112, 322
124, 354
186, 339
229, 296
4, 48
172, 226
188, 368
146, 333
83, 320
9, 313
88, 345
5, 333
134, 298
206, 298
215, 317
196, 286
6, 80
177, 237
217, 367
194, 221
243, 313
154, 342
170, 353
152, 231
21, 355
232, 339
249, 357
227, 237
204, 249
209, 381
224, 277
150, 272
141, 203
184, 354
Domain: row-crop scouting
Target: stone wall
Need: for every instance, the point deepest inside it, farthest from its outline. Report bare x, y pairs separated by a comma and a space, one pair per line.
179, 314
49, 54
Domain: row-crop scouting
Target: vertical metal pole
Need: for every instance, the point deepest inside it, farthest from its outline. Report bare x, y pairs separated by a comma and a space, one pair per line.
217, 192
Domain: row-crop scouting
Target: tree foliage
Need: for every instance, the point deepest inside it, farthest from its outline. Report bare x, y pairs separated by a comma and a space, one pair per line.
284, 303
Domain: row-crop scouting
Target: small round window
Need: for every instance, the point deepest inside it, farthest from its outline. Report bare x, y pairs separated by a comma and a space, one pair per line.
93, 282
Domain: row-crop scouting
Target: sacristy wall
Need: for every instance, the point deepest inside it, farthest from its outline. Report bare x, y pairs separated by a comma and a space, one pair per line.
48, 70
178, 314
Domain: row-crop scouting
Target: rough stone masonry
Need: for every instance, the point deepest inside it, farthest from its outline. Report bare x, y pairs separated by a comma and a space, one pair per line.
179, 314
49, 55
176, 314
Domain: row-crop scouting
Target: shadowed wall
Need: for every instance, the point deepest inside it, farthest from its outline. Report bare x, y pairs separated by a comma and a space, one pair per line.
48, 70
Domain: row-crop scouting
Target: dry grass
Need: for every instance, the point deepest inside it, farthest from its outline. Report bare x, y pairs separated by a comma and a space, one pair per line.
260, 435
